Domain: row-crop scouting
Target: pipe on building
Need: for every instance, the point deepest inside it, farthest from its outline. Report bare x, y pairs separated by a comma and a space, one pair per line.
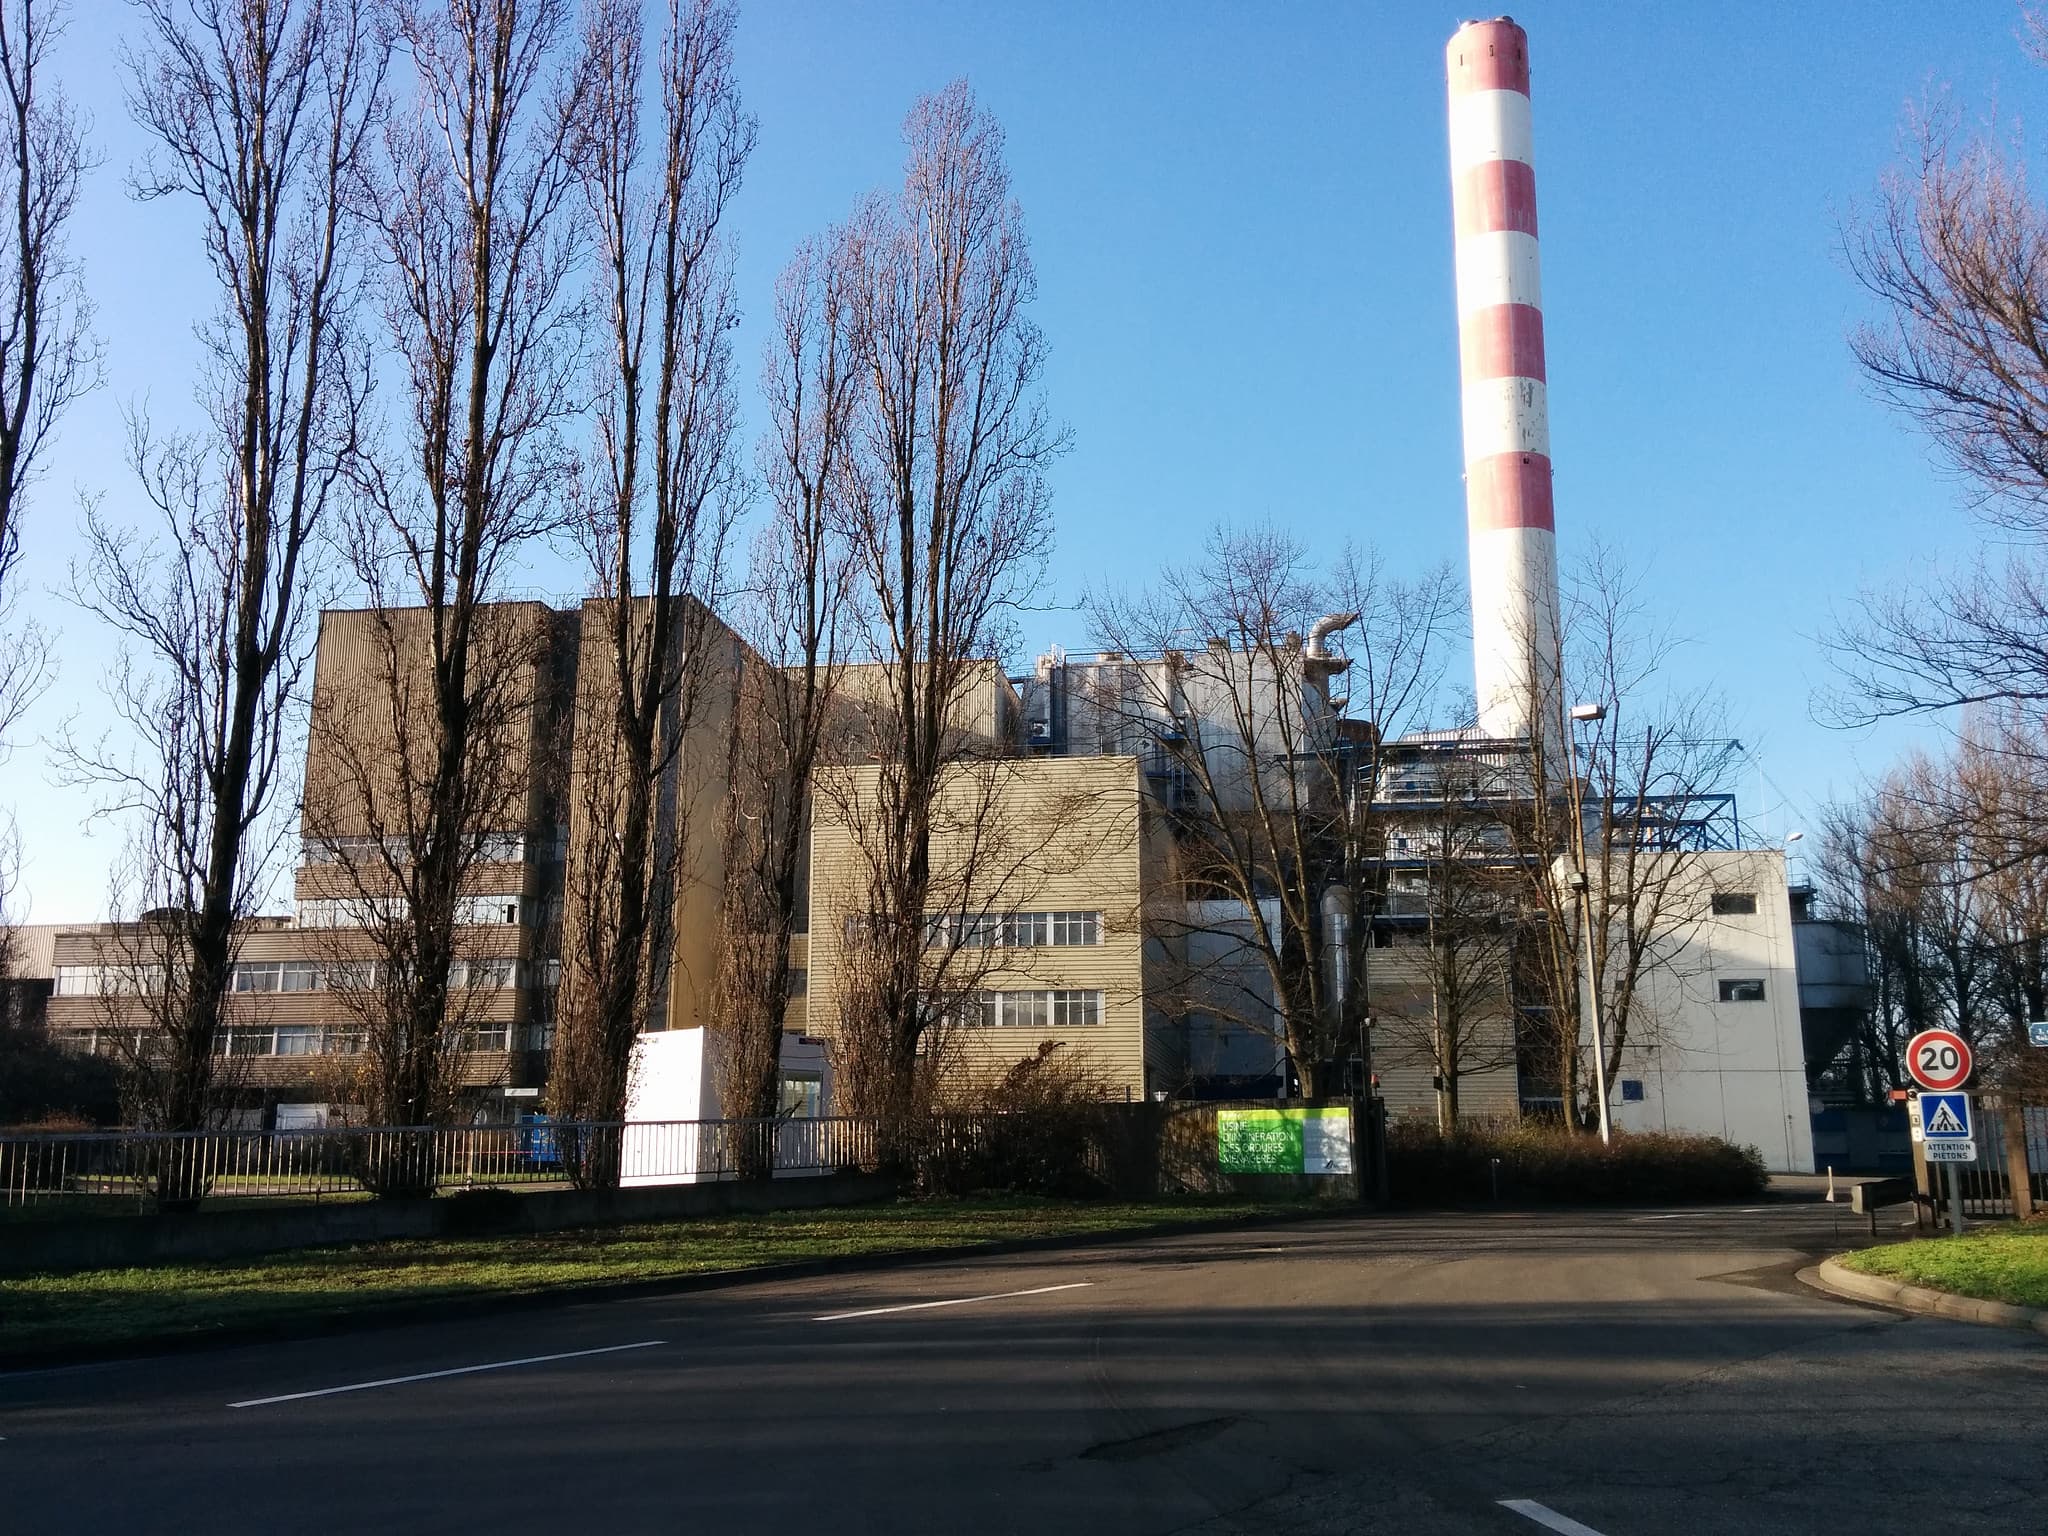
1328, 625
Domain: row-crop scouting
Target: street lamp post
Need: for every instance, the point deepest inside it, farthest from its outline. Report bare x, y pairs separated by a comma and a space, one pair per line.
1583, 714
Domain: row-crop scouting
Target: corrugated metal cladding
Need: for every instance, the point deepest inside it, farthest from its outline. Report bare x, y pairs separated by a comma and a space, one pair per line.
1403, 1007
1060, 834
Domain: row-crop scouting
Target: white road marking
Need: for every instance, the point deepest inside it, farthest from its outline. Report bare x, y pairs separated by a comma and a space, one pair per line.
957, 1301
1529, 1509
460, 1370
1751, 1210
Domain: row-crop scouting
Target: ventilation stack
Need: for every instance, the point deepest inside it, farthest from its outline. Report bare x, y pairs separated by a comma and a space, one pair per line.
1509, 523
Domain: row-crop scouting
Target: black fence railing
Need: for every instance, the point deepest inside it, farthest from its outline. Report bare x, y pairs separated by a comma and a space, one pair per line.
143, 1167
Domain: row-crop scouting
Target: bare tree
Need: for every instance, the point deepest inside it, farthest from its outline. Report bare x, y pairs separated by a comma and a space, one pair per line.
260, 114
791, 612
1275, 776
948, 523
431, 747
1002, 834
48, 354
1954, 252
1631, 808
654, 541
1460, 883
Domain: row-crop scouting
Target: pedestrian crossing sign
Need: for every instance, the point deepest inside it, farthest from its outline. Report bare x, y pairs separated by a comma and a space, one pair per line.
1945, 1116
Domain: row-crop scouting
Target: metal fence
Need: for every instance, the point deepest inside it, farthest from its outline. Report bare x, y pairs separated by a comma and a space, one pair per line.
1987, 1183
138, 1169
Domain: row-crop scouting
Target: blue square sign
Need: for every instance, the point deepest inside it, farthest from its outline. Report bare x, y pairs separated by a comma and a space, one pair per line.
2037, 1034
1945, 1116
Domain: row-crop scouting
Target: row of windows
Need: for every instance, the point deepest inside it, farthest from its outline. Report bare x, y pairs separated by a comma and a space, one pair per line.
277, 976
360, 912
108, 980
357, 852
311, 1040
1013, 930
310, 976
1061, 1008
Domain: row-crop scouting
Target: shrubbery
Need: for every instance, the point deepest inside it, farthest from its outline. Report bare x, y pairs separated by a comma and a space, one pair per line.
45, 1087
1047, 1120
1544, 1162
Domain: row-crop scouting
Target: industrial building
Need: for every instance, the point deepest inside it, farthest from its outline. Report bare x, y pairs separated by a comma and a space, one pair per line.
1070, 844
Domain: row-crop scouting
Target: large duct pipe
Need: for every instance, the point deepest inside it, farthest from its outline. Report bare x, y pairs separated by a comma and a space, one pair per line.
1510, 528
1319, 632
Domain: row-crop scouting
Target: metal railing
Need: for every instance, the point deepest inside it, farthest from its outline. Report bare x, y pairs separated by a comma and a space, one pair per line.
1987, 1183
141, 1168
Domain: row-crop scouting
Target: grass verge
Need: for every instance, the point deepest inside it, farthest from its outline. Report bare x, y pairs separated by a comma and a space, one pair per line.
2008, 1264
100, 1310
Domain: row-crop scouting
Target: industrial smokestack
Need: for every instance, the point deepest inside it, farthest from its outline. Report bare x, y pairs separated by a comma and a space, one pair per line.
1509, 525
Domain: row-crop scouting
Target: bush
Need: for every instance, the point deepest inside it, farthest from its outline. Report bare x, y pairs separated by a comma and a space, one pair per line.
45, 1087
1042, 1135
1546, 1162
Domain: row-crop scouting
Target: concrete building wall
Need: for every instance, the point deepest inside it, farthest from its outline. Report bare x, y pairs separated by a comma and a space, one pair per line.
1711, 1058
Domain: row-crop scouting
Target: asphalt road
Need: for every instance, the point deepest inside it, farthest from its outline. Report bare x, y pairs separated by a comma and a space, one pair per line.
1633, 1372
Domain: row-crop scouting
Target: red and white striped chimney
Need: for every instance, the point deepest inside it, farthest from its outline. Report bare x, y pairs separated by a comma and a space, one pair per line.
1509, 525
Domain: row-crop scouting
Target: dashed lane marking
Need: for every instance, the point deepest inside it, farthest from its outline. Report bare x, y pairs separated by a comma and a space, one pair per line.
460, 1370
1529, 1509
957, 1301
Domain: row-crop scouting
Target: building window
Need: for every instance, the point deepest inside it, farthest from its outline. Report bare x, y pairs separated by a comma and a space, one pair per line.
1076, 927
337, 912
1742, 989
1025, 1010
260, 977
353, 975
799, 982
1076, 1010
487, 911
1631, 1090
108, 980
483, 975
1013, 930
1735, 904
1062, 1008
502, 848
802, 1096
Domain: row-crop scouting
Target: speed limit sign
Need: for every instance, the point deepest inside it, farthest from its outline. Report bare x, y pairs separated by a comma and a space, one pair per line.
1939, 1059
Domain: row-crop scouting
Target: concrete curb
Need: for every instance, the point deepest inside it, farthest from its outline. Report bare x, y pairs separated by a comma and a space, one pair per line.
1833, 1277
403, 1314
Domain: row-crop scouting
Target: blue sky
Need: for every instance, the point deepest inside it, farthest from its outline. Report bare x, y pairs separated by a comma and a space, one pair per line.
1241, 220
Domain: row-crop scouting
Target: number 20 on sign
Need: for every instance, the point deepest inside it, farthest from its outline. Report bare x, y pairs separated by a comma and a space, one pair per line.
1939, 1060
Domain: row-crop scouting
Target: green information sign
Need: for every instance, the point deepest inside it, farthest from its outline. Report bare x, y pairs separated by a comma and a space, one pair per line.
1283, 1140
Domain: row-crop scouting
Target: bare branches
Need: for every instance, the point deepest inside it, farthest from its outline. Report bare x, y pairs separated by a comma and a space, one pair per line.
49, 356
1957, 255
656, 521
792, 612
947, 516
1273, 781
261, 114
431, 755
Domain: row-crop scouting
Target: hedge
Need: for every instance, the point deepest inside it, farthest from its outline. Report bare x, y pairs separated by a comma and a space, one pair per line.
1547, 1163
